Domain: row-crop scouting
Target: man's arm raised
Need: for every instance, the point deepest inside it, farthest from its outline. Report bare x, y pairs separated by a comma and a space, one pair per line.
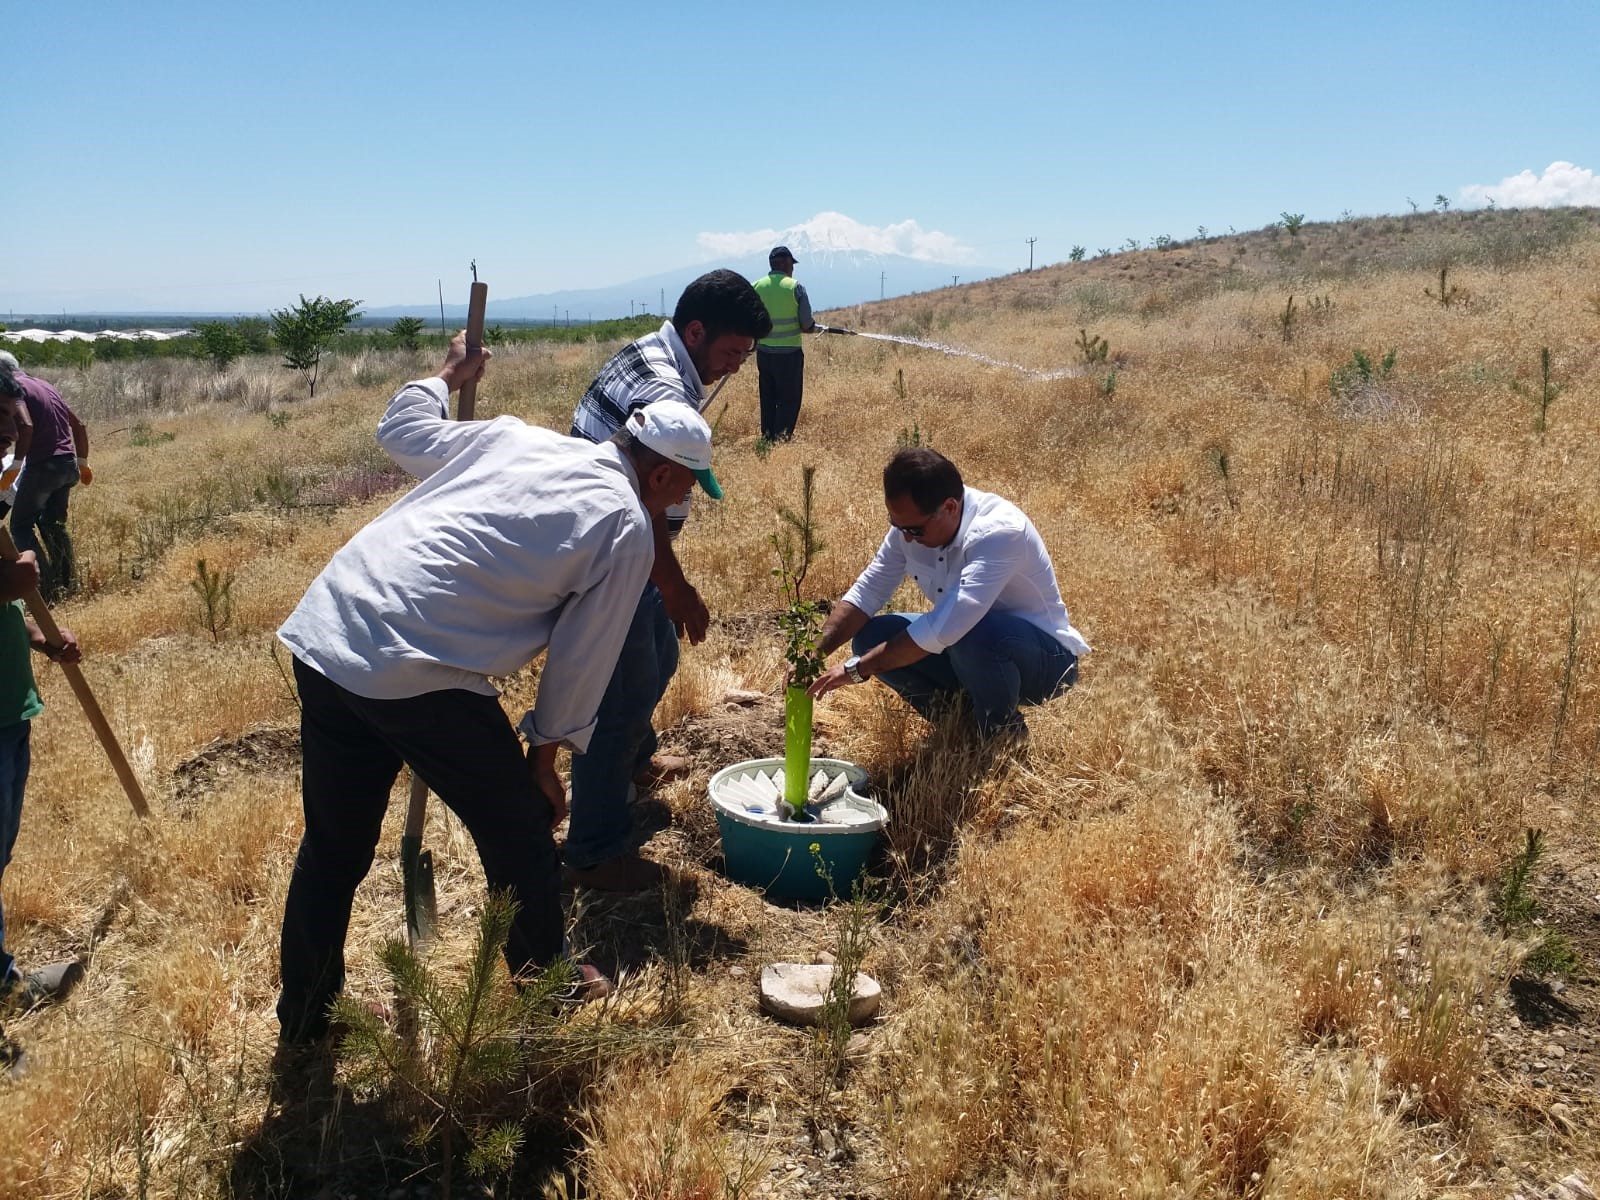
416, 430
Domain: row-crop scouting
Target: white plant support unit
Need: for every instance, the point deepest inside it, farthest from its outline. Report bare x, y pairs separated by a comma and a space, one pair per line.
752, 792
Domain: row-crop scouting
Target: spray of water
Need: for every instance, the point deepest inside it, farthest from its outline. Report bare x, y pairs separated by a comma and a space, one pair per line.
958, 352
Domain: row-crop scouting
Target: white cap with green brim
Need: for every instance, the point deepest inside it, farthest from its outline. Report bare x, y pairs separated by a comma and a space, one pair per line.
674, 430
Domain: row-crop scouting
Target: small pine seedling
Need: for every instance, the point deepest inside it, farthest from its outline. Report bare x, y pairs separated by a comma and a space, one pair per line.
215, 592
1286, 320
1544, 395
1447, 293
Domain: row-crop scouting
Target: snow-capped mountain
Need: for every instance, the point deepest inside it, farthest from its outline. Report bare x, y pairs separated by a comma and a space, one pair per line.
840, 261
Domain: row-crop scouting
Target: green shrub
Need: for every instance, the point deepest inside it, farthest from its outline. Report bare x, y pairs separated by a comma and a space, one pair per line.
1359, 373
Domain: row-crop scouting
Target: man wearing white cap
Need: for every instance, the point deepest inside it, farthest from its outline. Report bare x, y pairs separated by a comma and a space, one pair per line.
517, 540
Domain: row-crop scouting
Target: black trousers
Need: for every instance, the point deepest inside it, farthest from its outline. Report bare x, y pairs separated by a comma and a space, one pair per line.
464, 748
782, 377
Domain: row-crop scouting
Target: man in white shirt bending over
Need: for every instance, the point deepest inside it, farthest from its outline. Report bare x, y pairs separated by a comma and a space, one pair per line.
517, 540
997, 632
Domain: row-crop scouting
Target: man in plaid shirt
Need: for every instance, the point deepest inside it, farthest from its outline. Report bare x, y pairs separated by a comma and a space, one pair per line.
713, 330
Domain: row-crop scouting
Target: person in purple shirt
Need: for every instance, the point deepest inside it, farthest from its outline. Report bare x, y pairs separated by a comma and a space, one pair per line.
19, 705
53, 445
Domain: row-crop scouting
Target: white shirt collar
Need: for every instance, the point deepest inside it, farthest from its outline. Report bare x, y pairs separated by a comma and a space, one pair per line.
686, 367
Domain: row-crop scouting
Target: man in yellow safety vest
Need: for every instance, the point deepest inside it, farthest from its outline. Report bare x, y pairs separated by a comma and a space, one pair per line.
780, 362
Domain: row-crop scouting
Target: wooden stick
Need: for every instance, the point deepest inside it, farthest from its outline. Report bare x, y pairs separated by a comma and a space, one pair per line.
80, 686
466, 405
477, 306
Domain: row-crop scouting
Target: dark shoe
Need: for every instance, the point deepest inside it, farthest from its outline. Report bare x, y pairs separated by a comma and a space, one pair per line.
47, 985
590, 986
660, 769
629, 872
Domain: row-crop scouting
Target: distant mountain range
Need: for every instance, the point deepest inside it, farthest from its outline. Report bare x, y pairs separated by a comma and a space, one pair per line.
832, 278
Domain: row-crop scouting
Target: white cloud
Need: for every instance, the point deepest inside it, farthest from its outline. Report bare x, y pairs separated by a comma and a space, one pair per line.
829, 232
1560, 184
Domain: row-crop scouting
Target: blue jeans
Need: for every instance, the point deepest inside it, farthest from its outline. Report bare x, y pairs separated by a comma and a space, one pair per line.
14, 761
41, 503
624, 740
1003, 661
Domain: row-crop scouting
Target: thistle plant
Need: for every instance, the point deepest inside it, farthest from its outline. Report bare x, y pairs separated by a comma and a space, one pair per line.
1094, 349
801, 624
855, 919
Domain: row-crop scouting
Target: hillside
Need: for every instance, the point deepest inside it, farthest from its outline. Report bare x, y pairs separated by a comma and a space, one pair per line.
1238, 922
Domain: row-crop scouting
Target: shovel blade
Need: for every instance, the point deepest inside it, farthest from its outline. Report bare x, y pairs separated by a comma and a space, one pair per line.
422, 905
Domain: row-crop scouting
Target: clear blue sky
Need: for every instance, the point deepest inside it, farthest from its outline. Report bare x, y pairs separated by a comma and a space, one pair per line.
212, 156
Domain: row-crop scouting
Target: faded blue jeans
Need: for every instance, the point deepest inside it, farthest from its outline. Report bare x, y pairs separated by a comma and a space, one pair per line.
14, 760
42, 495
624, 739
1002, 662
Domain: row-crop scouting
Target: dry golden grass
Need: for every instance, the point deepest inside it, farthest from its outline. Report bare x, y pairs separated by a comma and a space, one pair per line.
1223, 930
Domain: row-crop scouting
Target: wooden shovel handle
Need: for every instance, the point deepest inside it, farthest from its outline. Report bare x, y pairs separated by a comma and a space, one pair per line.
477, 306
80, 686
466, 405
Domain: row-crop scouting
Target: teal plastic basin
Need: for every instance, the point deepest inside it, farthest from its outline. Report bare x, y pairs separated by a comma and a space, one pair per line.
776, 857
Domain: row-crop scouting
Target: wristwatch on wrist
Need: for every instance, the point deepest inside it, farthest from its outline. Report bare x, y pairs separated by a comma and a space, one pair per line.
852, 669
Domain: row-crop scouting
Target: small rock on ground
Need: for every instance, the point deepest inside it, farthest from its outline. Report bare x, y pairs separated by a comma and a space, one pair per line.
795, 992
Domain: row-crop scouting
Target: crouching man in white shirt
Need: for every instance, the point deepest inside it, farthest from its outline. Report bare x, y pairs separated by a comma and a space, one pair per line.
517, 540
997, 632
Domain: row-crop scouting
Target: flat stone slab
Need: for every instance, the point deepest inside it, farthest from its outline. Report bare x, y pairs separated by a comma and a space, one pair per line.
795, 992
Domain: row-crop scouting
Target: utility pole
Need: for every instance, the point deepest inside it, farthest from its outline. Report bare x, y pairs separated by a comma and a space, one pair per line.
442, 329
882, 275
663, 302
1031, 241
954, 279
555, 311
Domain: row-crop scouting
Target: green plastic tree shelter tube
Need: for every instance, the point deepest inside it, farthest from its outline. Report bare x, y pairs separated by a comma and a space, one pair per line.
801, 623
796, 748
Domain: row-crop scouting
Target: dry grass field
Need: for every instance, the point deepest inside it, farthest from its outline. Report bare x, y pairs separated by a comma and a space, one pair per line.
1238, 923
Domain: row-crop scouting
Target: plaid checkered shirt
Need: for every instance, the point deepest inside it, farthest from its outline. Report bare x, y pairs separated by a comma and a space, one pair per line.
656, 367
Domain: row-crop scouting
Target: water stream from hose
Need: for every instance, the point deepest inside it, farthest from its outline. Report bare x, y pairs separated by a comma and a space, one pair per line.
958, 352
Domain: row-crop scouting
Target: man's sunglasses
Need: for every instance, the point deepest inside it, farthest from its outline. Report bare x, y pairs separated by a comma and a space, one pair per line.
914, 531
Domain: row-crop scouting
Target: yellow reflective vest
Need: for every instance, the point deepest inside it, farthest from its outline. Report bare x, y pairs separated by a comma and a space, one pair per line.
777, 293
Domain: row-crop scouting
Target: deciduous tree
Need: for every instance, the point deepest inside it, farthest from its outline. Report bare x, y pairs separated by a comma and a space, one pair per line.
218, 341
305, 332
407, 332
